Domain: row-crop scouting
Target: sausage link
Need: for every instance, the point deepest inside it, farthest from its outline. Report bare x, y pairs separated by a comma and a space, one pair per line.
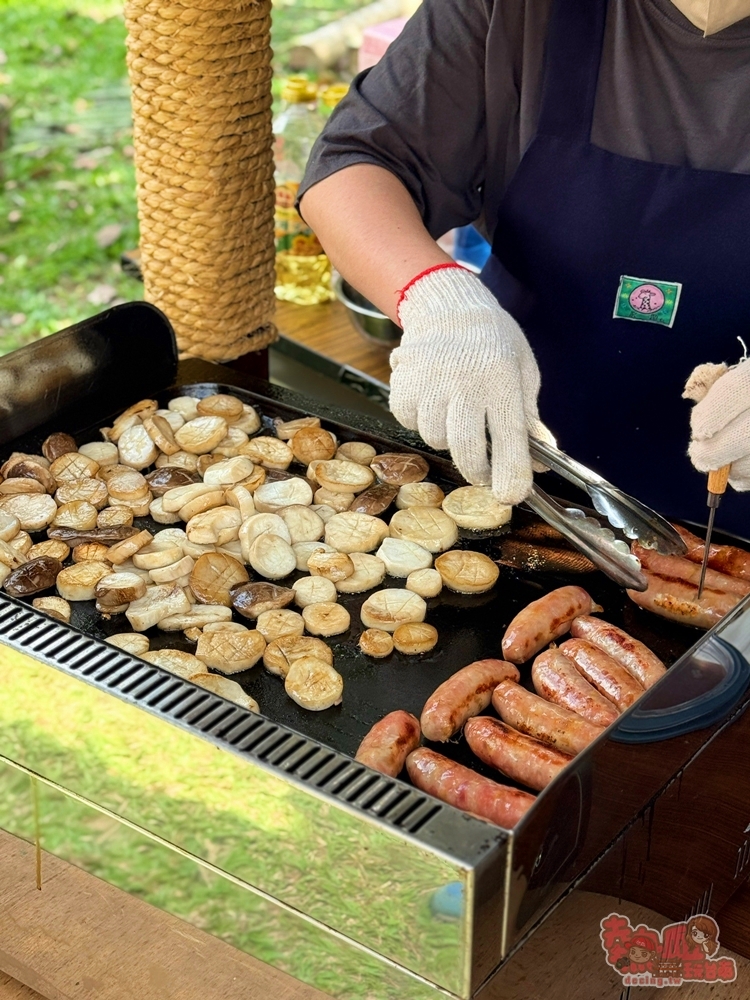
644, 665
467, 692
551, 724
467, 790
556, 679
608, 676
522, 758
389, 742
677, 568
679, 601
725, 558
544, 620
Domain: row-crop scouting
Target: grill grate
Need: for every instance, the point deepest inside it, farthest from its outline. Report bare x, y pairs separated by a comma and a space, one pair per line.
227, 725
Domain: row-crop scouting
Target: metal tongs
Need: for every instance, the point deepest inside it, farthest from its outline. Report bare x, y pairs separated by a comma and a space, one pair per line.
611, 554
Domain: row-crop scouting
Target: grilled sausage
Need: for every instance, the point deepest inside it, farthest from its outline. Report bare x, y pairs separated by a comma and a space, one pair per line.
467, 692
544, 620
725, 558
389, 742
644, 665
467, 790
556, 679
677, 568
522, 758
679, 602
551, 724
608, 676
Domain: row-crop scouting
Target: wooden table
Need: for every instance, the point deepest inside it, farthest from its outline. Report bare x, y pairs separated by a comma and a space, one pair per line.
328, 330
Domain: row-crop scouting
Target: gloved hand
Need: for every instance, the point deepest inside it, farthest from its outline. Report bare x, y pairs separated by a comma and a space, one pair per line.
464, 364
720, 421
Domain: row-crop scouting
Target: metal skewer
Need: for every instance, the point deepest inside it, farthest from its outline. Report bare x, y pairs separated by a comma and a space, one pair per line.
717, 486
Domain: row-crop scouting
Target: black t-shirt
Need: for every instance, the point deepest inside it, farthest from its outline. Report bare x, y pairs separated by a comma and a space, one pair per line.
454, 103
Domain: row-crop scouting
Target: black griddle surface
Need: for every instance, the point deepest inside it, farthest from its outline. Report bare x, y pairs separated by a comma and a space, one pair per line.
469, 627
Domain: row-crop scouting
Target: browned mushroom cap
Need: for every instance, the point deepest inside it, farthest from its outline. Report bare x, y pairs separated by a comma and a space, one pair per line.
18, 484
280, 654
213, 577
56, 607
415, 637
310, 443
57, 445
252, 599
19, 456
396, 469
94, 491
375, 500
169, 477
467, 572
49, 547
35, 575
314, 684
25, 468
286, 429
375, 642
220, 405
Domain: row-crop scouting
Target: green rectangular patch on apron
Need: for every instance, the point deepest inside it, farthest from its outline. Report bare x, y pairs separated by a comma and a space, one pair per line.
647, 300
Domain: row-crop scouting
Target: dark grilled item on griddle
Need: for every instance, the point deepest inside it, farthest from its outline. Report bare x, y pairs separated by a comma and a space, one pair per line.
169, 477
375, 500
58, 444
543, 558
107, 536
250, 599
33, 577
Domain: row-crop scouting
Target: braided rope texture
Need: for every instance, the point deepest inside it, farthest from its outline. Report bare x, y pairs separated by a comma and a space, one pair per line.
200, 72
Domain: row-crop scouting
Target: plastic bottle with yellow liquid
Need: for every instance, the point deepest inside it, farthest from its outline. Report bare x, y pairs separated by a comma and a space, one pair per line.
303, 271
332, 95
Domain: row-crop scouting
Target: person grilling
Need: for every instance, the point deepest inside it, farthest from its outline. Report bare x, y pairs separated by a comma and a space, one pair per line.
603, 146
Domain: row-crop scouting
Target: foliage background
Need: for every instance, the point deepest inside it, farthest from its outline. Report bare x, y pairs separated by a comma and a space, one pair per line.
67, 182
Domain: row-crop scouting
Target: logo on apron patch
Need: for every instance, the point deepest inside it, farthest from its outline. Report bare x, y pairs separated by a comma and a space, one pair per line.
647, 301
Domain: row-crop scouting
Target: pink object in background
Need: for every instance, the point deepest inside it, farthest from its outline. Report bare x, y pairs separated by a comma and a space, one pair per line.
376, 39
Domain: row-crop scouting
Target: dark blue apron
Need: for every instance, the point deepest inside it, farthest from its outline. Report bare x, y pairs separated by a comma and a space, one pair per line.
574, 220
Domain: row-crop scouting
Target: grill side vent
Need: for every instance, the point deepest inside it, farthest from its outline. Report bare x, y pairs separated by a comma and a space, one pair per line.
226, 725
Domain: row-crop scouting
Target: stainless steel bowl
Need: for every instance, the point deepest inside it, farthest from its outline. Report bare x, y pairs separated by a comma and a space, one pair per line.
373, 325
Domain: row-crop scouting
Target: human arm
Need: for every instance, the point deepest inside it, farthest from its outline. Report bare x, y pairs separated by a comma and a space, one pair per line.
372, 231
464, 365
402, 160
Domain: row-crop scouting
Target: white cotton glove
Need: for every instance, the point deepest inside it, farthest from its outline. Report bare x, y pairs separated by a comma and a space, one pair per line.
464, 365
720, 421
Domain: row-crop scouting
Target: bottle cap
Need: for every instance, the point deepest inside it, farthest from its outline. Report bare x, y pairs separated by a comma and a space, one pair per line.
298, 90
332, 95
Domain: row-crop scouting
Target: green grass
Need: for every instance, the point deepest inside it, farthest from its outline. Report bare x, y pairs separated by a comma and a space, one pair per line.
67, 169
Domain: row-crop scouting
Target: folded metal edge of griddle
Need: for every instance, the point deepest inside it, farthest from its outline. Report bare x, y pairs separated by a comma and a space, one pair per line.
92, 367
633, 518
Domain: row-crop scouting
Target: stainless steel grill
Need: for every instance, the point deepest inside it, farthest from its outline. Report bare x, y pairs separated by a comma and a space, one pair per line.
358, 859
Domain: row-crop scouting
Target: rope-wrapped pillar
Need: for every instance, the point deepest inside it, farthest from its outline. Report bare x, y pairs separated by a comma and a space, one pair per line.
200, 72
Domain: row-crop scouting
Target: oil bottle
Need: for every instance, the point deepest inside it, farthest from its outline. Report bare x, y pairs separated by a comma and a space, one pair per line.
303, 271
